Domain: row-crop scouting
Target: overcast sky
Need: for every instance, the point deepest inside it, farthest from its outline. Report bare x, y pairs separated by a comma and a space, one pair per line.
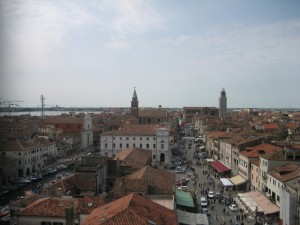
176, 53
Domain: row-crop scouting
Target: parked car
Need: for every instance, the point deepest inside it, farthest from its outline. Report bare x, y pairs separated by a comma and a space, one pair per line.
184, 188
210, 195
217, 195
181, 183
203, 202
184, 179
233, 208
179, 169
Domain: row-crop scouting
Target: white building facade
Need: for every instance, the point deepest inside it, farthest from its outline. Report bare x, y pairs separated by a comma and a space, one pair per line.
32, 155
155, 139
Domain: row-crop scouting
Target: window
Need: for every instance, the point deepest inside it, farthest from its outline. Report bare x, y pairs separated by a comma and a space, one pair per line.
57, 223
147, 146
134, 145
154, 146
114, 138
141, 145
121, 145
120, 138
162, 145
154, 138
134, 138
127, 145
278, 198
114, 145
154, 156
141, 138
46, 223
19, 153
105, 145
147, 138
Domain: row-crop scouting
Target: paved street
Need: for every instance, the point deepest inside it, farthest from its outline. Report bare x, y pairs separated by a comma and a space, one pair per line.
217, 215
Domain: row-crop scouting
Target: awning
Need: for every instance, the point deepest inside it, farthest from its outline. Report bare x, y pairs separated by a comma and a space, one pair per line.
184, 199
226, 182
220, 167
191, 218
237, 180
256, 201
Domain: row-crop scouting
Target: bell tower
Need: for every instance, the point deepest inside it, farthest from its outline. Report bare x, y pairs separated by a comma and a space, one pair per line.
223, 105
134, 105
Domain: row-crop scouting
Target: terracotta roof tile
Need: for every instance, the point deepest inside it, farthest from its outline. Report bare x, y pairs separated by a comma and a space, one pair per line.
286, 172
132, 209
271, 126
256, 151
160, 182
54, 207
292, 125
135, 157
136, 129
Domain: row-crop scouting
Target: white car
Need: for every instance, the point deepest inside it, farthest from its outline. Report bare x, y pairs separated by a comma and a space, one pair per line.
203, 202
179, 170
211, 194
184, 188
233, 208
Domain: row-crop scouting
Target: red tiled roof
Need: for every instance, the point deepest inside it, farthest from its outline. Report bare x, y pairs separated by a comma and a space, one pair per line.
132, 209
257, 150
54, 207
292, 125
271, 126
161, 182
134, 157
286, 172
136, 129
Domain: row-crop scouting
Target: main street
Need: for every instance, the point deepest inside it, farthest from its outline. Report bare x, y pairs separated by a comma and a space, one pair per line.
217, 215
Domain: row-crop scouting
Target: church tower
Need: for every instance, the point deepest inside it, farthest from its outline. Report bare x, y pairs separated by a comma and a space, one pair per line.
223, 105
134, 105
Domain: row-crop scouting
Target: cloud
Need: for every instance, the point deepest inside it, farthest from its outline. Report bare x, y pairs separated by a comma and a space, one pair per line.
34, 29
233, 47
131, 18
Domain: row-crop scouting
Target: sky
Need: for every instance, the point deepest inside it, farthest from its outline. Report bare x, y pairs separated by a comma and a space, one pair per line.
175, 53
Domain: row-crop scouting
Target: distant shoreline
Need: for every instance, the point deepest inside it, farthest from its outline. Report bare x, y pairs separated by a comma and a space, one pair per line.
47, 112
